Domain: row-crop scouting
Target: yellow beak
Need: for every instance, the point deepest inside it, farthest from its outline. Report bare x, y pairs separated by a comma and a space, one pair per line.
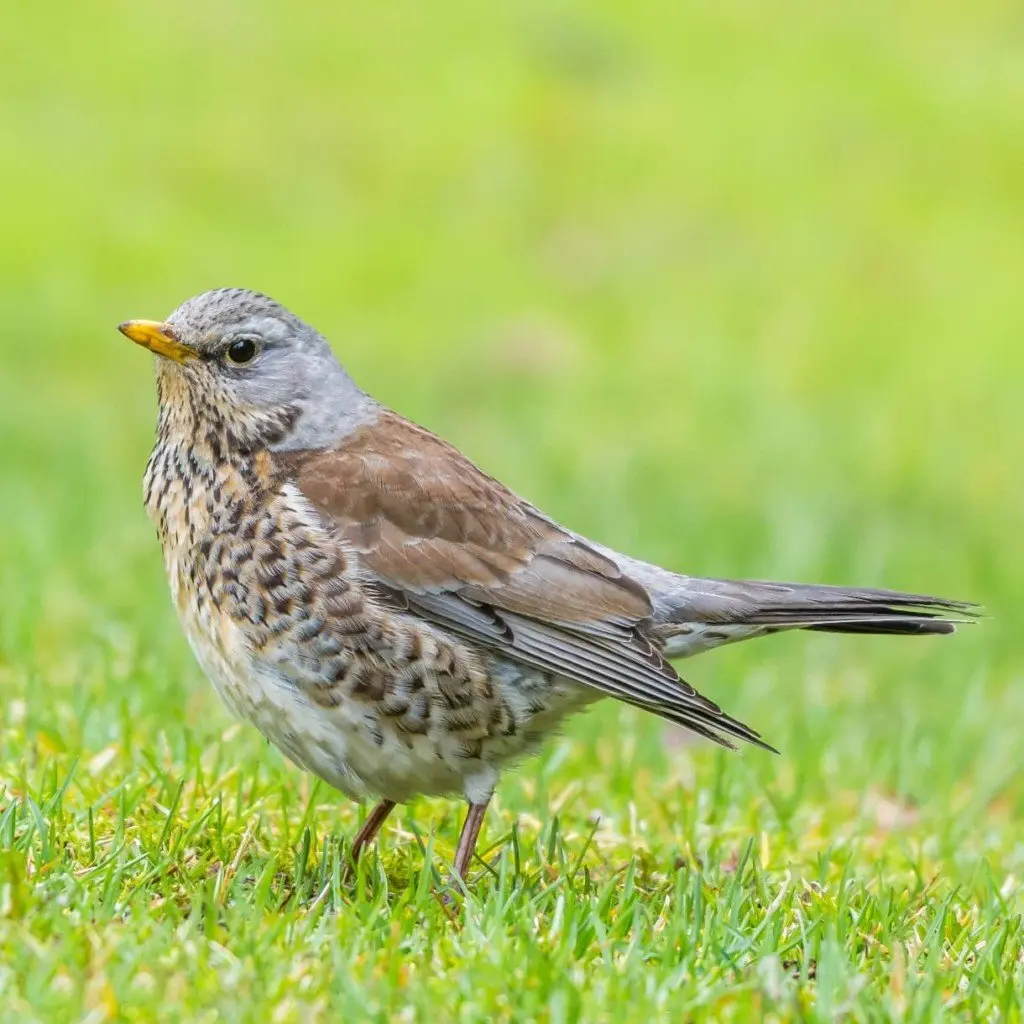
158, 338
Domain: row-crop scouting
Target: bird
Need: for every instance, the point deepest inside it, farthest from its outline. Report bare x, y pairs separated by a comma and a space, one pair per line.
392, 618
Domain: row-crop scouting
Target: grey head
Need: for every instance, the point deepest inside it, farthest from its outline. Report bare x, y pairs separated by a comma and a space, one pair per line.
237, 363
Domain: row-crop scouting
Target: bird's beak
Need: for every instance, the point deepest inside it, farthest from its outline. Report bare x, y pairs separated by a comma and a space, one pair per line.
158, 338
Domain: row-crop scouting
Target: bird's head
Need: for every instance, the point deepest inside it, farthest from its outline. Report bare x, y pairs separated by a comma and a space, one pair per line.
238, 367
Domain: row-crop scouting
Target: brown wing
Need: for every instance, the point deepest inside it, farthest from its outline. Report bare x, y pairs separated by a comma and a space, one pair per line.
459, 548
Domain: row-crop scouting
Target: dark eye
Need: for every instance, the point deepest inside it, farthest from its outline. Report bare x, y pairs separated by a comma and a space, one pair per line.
241, 351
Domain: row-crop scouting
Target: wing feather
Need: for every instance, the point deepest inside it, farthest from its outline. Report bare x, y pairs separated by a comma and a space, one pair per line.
454, 545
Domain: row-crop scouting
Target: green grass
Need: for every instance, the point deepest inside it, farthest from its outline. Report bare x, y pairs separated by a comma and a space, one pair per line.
735, 287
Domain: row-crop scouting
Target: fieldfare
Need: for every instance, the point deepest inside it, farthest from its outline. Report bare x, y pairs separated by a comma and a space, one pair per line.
393, 619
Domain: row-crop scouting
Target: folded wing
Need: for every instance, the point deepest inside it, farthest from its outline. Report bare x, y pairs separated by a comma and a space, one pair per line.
452, 544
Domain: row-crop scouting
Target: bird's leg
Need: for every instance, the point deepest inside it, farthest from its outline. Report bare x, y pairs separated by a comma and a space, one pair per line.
467, 840
370, 828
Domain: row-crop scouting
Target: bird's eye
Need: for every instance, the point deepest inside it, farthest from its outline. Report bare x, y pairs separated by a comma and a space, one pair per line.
241, 351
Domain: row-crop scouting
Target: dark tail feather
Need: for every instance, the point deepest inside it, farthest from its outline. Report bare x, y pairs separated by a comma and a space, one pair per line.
894, 627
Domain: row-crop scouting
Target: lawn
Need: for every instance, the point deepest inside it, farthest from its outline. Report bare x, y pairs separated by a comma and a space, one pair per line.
734, 287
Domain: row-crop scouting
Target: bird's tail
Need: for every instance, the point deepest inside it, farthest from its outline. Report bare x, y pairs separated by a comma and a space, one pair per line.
693, 614
814, 606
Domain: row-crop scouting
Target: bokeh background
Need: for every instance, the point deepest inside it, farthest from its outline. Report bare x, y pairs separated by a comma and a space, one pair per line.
735, 287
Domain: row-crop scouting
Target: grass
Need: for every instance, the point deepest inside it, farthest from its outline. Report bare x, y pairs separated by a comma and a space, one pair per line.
735, 288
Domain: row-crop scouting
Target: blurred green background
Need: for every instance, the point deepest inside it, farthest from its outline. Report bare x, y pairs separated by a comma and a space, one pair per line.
735, 287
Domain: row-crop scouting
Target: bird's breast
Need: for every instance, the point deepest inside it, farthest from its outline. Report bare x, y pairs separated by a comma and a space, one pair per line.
276, 611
